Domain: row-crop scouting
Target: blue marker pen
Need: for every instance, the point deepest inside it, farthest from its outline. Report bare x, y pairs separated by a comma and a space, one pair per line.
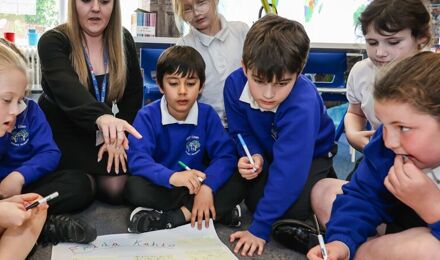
246, 150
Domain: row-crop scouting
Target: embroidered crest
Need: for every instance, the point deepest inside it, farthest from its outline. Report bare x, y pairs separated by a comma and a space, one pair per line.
20, 136
192, 146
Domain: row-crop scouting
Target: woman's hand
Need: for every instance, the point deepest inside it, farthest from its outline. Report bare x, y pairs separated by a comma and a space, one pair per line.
12, 184
248, 243
246, 169
203, 207
116, 155
189, 179
113, 129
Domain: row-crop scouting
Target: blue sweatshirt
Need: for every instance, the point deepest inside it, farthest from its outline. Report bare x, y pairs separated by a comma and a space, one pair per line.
288, 140
205, 147
366, 201
30, 148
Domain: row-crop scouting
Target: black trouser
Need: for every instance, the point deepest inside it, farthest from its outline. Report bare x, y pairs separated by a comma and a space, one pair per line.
74, 188
301, 209
143, 193
405, 218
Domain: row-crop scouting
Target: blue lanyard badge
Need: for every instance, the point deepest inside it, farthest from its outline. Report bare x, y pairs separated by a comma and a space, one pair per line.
99, 93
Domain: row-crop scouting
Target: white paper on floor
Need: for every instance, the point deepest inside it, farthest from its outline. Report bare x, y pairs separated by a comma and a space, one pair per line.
183, 242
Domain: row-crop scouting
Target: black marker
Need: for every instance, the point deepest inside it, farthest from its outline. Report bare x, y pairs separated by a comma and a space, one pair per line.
43, 200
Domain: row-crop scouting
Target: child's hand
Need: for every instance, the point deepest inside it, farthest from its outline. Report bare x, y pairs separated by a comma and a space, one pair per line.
248, 242
246, 169
336, 251
115, 154
13, 214
203, 207
187, 179
12, 184
28, 198
414, 188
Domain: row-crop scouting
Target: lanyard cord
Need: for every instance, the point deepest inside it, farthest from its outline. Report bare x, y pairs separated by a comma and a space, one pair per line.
99, 93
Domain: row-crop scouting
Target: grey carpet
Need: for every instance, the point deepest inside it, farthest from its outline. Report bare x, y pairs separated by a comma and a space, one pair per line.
110, 219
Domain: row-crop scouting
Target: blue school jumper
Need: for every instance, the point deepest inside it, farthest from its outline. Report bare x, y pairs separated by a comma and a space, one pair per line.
366, 201
30, 148
289, 139
205, 147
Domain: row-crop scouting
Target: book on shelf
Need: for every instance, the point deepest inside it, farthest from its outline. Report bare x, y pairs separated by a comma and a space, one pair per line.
143, 23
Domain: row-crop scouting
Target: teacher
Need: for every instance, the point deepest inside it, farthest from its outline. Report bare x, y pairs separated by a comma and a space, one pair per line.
92, 90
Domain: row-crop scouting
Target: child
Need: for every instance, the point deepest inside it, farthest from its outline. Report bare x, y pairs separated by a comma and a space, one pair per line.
393, 30
178, 129
218, 41
284, 122
398, 181
28, 156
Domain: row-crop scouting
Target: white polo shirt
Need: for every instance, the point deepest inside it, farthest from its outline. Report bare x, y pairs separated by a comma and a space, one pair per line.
222, 55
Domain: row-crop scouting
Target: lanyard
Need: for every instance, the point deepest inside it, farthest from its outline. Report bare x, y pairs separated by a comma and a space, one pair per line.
99, 93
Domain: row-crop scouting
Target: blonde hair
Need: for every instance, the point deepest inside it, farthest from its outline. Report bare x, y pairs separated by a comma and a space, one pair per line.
10, 58
113, 40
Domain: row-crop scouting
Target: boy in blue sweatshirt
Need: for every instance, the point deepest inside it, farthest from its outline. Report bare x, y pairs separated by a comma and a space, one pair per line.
177, 129
284, 123
29, 157
398, 181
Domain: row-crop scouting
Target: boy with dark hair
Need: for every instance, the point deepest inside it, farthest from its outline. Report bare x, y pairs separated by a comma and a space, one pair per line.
185, 155
283, 120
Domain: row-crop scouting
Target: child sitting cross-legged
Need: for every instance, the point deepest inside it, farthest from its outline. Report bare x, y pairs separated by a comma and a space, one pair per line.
186, 157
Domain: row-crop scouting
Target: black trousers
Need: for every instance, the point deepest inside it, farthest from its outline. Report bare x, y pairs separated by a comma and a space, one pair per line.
74, 188
142, 193
301, 209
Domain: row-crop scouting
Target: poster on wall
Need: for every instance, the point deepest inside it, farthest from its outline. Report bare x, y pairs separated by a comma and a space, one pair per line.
326, 21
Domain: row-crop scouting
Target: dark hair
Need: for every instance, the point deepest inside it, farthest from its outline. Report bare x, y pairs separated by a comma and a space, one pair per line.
275, 45
392, 16
183, 60
415, 80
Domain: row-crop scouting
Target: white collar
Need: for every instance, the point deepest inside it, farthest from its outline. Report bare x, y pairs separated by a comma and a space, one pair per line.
247, 98
168, 119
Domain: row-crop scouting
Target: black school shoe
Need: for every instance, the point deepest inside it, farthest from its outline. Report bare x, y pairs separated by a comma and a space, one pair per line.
295, 234
147, 219
232, 218
62, 228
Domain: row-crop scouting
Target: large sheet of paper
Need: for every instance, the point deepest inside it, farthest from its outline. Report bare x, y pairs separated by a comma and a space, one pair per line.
183, 242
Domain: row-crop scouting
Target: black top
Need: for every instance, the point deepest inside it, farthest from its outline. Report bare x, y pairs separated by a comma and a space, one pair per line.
72, 110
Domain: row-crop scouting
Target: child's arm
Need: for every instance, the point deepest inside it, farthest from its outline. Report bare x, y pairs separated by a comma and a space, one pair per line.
355, 122
42, 153
203, 207
365, 202
140, 154
237, 118
414, 188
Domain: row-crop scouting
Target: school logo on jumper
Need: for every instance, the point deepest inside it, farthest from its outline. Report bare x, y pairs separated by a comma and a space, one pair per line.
192, 145
19, 136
